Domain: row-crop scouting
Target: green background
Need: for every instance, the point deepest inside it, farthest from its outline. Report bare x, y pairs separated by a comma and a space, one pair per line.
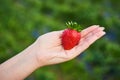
22, 21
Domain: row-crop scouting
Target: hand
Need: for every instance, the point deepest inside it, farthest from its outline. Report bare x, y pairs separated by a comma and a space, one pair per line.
49, 50
46, 50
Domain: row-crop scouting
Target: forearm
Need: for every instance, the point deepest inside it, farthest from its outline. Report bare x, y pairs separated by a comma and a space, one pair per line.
20, 66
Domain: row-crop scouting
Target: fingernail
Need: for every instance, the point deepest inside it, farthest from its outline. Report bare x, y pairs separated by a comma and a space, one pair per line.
104, 33
102, 28
96, 25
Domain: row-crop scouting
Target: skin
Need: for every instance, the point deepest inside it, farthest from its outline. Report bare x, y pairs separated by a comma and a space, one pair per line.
46, 50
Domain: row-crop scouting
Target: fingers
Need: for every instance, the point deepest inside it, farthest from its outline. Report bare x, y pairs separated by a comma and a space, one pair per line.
83, 32
88, 39
91, 37
88, 30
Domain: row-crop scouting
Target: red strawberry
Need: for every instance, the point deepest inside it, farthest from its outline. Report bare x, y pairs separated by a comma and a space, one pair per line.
71, 36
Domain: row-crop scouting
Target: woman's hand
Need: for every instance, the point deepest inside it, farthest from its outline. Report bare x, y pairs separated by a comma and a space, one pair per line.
48, 48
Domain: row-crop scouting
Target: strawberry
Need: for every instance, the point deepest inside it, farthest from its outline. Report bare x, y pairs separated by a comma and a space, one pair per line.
71, 36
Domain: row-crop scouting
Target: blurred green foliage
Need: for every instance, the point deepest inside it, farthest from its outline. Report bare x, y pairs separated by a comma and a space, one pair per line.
22, 21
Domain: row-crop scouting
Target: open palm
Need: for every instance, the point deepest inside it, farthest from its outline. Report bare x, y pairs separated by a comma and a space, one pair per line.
50, 51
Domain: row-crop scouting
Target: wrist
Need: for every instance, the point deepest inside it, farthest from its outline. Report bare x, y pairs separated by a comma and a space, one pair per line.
33, 50
26, 60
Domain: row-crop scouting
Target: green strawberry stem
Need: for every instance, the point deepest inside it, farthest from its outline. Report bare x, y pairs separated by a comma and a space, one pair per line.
74, 26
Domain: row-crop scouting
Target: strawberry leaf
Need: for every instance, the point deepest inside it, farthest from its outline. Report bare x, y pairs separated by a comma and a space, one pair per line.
74, 26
